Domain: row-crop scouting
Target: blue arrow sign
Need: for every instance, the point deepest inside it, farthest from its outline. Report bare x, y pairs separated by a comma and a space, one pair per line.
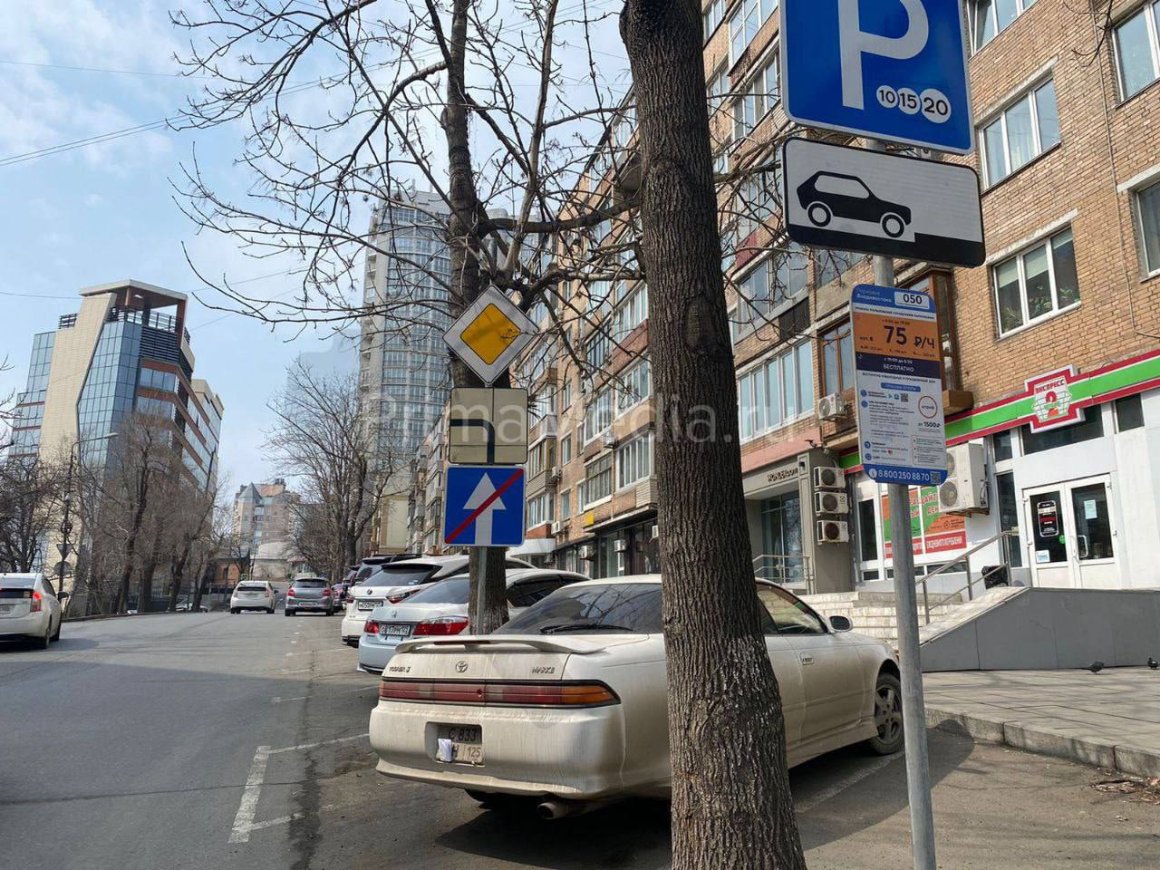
484, 506
892, 69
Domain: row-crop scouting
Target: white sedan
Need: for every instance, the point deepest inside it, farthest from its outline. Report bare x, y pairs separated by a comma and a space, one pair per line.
29, 608
567, 702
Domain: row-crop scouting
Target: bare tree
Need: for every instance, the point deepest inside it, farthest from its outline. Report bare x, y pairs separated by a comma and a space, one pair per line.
320, 437
30, 492
312, 538
582, 211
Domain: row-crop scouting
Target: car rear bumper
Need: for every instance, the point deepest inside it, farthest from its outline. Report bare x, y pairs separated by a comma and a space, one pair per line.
374, 656
308, 604
32, 625
352, 626
575, 754
251, 604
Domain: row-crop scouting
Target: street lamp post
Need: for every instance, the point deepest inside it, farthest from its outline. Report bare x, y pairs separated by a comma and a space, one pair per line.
65, 546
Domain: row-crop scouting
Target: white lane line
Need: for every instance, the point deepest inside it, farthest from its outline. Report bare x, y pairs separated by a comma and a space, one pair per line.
841, 785
244, 820
303, 746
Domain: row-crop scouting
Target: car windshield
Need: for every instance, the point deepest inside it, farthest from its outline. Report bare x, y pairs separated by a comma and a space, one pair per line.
310, 584
453, 591
400, 575
633, 607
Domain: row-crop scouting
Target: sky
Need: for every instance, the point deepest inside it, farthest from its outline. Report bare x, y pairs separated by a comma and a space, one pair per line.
75, 69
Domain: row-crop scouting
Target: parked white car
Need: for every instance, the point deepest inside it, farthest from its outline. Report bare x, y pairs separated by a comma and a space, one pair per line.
567, 702
253, 595
30, 608
394, 581
441, 609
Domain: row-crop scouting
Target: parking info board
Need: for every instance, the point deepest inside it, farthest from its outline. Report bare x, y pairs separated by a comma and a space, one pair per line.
898, 380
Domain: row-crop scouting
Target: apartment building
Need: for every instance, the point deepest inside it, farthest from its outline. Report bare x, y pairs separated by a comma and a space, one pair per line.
1051, 349
264, 514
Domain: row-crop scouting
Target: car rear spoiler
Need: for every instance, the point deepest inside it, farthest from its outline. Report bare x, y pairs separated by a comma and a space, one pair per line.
574, 646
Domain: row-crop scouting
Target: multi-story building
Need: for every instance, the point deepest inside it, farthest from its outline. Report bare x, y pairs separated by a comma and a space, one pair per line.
1051, 349
264, 514
126, 351
404, 374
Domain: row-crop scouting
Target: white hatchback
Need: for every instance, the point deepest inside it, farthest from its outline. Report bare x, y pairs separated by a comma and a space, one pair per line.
30, 608
568, 701
253, 595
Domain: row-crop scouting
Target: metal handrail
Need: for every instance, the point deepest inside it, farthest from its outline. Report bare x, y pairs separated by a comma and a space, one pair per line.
965, 559
781, 562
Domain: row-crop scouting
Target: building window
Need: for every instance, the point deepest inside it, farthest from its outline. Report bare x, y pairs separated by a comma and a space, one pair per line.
1004, 445
773, 283
718, 87
633, 461
1148, 212
565, 449
1009, 516
598, 415
1023, 131
596, 349
758, 199
636, 386
1036, 284
539, 510
746, 21
713, 16
838, 359
989, 18
632, 312
1091, 428
598, 480
566, 395
761, 93
832, 264
565, 506
867, 531
1138, 50
1129, 413
777, 391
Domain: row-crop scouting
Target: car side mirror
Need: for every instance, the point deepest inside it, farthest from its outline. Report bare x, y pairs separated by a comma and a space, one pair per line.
64, 596
841, 623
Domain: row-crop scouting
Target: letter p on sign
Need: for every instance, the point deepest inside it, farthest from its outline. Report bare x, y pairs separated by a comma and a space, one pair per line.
855, 42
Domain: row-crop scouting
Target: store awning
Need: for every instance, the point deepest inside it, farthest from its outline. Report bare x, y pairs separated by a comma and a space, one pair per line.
534, 547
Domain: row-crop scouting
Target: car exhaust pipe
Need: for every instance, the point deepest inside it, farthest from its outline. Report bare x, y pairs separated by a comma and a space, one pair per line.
554, 809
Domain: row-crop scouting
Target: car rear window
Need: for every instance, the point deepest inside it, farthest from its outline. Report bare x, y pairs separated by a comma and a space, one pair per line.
634, 607
310, 584
17, 582
400, 575
453, 591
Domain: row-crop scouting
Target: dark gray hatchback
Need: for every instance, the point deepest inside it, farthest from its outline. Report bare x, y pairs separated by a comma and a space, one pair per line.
311, 594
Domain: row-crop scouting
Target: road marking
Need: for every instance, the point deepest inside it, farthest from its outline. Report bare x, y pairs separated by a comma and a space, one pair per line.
318, 652
303, 746
244, 820
837, 788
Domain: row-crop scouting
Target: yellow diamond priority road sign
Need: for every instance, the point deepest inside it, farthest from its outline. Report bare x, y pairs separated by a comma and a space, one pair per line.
490, 334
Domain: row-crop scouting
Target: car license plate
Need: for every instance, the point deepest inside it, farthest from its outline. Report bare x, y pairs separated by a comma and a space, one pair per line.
396, 629
6, 608
368, 604
459, 744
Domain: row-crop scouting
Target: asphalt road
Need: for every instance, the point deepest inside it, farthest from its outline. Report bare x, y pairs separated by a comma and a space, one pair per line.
218, 741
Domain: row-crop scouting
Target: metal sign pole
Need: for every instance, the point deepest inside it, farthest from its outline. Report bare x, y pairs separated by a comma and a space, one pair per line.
906, 611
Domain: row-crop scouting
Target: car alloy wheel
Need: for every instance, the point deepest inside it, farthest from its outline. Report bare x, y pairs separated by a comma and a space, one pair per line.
892, 225
819, 214
887, 715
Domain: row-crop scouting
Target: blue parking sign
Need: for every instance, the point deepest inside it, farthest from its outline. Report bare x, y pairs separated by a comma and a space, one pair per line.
890, 69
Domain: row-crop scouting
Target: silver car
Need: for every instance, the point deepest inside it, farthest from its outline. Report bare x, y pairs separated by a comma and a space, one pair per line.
441, 609
311, 594
30, 608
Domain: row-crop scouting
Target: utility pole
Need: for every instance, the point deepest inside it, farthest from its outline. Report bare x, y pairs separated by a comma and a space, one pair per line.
906, 612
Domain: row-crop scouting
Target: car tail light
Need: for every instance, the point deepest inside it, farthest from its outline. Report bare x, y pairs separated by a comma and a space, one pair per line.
399, 596
370, 627
326, 593
37, 601
499, 694
444, 625
290, 592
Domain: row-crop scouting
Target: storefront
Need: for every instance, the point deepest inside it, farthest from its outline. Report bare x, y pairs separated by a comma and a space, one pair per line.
627, 546
1071, 471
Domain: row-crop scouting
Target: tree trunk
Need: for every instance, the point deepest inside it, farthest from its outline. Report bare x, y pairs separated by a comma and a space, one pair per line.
131, 540
178, 576
487, 570
731, 799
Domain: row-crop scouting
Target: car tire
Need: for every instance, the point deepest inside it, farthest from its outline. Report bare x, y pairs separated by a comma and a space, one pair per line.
819, 214
887, 715
893, 225
59, 625
43, 642
270, 610
289, 612
234, 610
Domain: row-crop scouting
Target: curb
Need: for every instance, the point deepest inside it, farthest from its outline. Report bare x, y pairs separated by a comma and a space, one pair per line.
1039, 738
96, 616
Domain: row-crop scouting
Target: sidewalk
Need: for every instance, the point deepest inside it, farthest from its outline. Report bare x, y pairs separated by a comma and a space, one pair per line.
1110, 719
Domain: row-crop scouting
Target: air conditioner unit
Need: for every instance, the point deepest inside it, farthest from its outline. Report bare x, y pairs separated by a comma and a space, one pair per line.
609, 440
831, 503
833, 531
557, 527
829, 478
965, 489
621, 545
832, 407
587, 551
554, 474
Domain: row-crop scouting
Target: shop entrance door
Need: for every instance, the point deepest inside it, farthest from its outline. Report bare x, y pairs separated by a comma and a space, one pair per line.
1073, 541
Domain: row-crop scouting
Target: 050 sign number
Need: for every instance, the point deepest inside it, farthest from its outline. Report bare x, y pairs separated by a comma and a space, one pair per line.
933, 103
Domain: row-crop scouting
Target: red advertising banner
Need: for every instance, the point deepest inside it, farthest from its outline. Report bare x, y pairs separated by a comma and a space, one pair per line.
931, 532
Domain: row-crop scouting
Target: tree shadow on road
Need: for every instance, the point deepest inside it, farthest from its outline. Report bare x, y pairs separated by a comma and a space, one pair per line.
633, 833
